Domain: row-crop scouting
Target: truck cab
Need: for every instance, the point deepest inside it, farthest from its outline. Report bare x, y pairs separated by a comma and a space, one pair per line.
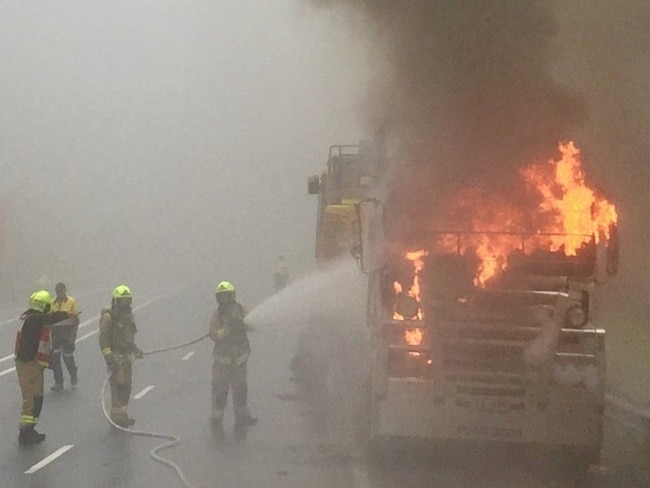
340, 188
519, 359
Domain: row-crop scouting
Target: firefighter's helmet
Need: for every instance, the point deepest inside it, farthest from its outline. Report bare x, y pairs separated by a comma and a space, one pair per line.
122, 291
40, 300
225, 287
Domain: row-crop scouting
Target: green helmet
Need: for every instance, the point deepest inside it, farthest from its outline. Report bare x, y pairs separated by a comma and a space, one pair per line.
224, 287
122, 291
40, 300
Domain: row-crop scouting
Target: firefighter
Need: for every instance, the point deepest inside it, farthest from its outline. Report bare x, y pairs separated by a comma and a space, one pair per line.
117, 331
229, 370
33, 348
281, 274
64, 336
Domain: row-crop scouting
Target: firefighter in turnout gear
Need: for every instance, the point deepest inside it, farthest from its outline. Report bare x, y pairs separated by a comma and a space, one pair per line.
64, 335
229, 370
117, 331
281, 274
33, 347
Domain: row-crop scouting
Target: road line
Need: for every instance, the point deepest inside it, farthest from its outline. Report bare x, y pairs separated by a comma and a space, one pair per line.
188, 355
7, 371
6, 358
49, 459
89, 334
143, 392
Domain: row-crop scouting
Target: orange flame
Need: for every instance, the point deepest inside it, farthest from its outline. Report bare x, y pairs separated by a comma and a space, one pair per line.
571, 213
413, 337
416, 257
579, 214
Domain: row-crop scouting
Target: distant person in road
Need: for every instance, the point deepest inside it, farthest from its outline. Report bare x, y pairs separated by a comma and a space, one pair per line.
64, 335
33, 349
230, 366
117, 331
281, 274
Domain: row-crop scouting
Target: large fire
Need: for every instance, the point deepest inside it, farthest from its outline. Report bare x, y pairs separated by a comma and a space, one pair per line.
569, 215
578, 212
566, 216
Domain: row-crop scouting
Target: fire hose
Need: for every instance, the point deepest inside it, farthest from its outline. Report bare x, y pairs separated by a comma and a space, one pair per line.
172, 439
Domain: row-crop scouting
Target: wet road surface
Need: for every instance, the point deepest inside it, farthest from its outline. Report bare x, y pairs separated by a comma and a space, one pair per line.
306, 437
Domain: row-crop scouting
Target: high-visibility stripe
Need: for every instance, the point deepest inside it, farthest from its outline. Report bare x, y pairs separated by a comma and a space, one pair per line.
27, 420
106, 351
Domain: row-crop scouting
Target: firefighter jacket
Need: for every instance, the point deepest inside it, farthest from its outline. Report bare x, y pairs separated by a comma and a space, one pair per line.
117, 333
228, 331
27, 342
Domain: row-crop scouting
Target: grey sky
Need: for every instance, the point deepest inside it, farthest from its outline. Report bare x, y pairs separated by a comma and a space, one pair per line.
155, 138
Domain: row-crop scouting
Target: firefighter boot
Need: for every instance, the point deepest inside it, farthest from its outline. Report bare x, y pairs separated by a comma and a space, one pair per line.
28, 435
123, 420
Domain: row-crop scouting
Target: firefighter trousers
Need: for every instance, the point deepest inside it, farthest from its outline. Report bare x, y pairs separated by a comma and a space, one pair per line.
30, 379
120, 381
225, 377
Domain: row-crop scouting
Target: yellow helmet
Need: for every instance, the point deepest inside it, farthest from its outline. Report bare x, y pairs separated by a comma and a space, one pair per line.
224, 287
122, 291
40, 300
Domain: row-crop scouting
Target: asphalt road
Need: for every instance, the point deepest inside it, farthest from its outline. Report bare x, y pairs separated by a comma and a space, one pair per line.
302, 440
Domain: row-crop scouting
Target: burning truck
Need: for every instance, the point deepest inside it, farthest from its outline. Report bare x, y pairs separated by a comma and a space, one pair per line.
482, 321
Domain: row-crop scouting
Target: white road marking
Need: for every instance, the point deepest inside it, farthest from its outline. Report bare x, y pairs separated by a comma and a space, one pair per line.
7, 371
188, 355
86, 336
143, 392
49, 459
6, 358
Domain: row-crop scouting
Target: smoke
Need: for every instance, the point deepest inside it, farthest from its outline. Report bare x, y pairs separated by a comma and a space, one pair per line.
473, 90
467, 89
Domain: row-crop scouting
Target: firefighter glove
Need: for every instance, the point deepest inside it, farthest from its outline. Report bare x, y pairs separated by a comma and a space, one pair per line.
223, 333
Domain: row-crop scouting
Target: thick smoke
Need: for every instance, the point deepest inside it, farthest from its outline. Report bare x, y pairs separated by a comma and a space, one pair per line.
473, 90
466, 87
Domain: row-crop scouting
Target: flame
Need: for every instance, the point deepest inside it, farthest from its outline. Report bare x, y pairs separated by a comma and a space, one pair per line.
561, 215
569, 214
417, 259
413, 337
578, 212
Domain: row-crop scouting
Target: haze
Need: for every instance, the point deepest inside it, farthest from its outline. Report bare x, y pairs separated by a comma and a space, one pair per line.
474, 90
154, 141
